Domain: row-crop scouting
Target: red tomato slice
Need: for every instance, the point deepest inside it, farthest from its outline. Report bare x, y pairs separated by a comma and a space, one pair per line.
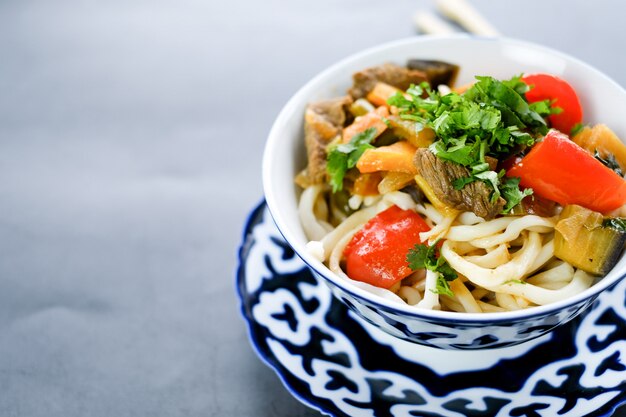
377, 253
549, 87
558, 169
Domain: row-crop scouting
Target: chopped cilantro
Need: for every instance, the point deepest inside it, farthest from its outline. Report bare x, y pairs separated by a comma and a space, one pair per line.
341, 157
443, 286
512, 194
491, 118
516, 84
545, 108
576, 129
458, 151
515, 110
424, 256
458, 184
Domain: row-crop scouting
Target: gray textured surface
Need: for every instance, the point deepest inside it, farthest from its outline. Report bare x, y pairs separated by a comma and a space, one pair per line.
130, 142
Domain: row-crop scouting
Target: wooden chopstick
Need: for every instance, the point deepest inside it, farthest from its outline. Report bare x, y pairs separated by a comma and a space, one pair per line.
432, 24
466, 16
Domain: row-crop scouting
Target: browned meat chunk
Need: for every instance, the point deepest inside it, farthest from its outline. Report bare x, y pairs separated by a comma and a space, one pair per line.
399, 77
437, 72
323, 121
493, 162
440, 174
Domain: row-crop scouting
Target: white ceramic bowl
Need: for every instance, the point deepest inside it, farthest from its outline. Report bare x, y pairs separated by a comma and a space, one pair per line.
602, 99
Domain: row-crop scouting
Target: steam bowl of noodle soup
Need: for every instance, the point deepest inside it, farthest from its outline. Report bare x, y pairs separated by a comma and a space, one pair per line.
513, 252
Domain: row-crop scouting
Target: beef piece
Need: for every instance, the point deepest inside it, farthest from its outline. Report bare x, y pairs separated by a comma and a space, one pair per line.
323, 121
440, 174
399, 77
492, 162
437, 72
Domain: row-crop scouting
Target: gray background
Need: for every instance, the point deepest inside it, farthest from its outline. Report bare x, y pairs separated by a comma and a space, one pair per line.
131, 135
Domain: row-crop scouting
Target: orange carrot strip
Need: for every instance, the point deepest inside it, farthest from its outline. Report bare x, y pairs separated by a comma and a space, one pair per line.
381, 93
374, 119
397, 157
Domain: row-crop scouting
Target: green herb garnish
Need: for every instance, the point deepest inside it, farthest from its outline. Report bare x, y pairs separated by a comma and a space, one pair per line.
425, 256
511, 192
492, 118
578, 127
341, 157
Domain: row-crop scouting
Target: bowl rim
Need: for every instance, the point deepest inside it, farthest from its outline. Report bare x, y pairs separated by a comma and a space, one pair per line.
389, 305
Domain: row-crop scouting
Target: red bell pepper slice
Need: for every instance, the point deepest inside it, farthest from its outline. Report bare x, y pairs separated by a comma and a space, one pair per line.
558, 169
377, 252
550, 87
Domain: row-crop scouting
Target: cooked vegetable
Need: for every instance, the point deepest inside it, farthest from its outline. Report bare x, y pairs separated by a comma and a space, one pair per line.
343, 156
537, 205
415, 133
394, 181
367, 184
437, 72
586, 240
377, 252
609, 161
339, 206
602, 140
430, 194
397, 157
375, 120
361, 107
381, 93
561, 94
558, 169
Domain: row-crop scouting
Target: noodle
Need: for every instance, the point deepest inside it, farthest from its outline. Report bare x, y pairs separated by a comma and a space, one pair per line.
468, 233
490, 308
464, 297
540, 296
513, 230
562, 273
491, 259
438, 231
507, 302
494, 278
315, 229
410, 295
431, 299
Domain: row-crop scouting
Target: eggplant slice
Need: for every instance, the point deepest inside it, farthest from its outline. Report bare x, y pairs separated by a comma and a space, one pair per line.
437, 72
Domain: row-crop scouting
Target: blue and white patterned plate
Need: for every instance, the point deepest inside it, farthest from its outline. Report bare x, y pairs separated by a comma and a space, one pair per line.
336, 363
